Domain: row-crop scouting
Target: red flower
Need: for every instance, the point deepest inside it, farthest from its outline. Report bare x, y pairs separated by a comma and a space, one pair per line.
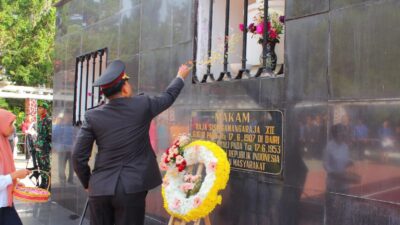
181, 167
241, 27
273, 34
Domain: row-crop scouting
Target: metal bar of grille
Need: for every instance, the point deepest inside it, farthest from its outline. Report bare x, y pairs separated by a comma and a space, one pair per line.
94, 57
210, 26
195, 19
226, 43
74, 120
100, 67
82, 59
87, 80
244, 56
265, 34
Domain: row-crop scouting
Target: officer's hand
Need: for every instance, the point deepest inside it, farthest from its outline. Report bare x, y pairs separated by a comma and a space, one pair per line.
183, 71
20, 174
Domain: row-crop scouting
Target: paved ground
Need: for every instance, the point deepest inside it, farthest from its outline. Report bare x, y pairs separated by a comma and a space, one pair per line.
49, 213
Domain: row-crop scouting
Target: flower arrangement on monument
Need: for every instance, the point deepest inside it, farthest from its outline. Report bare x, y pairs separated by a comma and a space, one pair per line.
275, 25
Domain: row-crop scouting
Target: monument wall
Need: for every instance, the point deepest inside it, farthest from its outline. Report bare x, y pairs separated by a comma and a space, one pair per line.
340, 60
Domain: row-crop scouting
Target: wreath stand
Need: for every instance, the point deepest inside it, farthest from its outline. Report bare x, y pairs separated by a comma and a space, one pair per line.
176, 221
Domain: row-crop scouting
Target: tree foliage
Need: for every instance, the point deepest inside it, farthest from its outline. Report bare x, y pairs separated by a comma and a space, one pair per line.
27, 30
3, 103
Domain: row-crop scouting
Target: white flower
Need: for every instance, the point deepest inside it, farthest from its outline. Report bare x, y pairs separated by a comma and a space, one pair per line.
179, 159
184, 140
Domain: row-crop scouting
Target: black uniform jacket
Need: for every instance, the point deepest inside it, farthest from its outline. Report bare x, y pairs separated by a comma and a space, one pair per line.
120, 129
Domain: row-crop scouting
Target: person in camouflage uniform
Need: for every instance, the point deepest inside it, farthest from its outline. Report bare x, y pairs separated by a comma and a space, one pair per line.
43, 144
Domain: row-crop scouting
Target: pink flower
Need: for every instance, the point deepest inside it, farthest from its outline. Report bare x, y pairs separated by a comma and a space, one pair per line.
260, 28
241, 27
163, 157
170, 156
176, 142
176, 204
174, 150
197, 202
191, 178
212, 166
186, 187
163, 166
187, 178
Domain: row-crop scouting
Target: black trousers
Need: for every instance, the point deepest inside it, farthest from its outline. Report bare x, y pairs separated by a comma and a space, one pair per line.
9, 216
120, 209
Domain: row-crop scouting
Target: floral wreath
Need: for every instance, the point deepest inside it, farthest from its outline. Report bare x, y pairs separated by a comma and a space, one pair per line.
191, 197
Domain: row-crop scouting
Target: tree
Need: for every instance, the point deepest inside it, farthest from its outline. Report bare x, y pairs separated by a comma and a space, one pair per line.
27, 31
3, 103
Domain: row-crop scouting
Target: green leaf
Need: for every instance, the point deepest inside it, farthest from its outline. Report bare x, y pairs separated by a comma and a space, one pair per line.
27, 32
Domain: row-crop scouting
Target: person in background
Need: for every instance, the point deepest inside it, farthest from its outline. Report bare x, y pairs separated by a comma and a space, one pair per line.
386, 138
63, 133
360, 138
25, 125
337, 160
8, 174
126, 166
43, 144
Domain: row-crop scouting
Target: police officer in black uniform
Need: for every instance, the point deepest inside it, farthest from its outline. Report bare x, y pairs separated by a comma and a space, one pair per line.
126, 166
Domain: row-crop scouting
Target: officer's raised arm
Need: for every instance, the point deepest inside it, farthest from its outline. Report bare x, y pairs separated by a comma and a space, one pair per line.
164, 100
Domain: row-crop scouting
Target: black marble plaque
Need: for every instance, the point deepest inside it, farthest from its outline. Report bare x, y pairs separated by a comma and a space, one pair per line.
252, 139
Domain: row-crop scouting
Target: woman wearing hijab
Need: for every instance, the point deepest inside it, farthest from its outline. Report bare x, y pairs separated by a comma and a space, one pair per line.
8, 174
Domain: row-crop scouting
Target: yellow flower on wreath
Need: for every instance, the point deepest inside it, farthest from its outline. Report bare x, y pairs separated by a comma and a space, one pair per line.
213, 198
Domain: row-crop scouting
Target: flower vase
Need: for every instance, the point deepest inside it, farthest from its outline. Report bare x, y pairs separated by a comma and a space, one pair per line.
271, 57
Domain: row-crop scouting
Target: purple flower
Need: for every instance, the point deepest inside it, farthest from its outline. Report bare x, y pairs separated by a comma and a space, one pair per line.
252, 28
282, 19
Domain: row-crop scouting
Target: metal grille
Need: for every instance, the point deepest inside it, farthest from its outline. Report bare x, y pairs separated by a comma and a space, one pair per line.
225, 74
88, 68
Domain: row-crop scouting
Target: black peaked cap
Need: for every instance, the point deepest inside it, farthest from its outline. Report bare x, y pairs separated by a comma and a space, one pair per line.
112, 72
